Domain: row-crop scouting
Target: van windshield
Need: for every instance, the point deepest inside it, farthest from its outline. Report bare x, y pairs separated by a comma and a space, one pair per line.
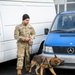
64, 23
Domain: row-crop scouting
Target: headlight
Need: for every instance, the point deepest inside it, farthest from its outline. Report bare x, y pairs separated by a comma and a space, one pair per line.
48, 49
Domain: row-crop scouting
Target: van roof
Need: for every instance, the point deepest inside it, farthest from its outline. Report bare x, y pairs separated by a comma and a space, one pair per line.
50, 1
68, 12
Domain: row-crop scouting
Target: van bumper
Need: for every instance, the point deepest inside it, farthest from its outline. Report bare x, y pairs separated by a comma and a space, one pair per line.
69, 60
67, 66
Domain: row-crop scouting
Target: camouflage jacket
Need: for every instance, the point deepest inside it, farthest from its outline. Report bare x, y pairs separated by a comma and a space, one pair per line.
22, 31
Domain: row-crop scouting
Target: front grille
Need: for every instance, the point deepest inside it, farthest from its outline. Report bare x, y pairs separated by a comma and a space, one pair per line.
64, 50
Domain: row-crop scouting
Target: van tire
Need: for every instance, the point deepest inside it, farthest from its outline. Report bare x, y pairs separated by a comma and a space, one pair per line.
40, 48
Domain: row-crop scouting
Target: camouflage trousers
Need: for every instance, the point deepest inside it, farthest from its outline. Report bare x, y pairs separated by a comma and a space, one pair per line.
23, 52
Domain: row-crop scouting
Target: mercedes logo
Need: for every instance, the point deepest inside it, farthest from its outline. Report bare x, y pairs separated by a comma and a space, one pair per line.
70, 50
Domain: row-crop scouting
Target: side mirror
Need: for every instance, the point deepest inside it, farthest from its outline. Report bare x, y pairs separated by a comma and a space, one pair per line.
46, 30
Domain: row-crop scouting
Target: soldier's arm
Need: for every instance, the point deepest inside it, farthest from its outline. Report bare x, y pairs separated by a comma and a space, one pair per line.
33, 33
17, 36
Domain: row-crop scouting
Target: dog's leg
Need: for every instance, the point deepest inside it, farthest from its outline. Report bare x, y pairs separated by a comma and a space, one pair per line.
36, 70
32, 64
52, 71
41, 70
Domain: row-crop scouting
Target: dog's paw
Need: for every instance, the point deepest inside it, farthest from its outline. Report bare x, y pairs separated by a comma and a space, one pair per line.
19, 74
38, 74
29, 71
54, 74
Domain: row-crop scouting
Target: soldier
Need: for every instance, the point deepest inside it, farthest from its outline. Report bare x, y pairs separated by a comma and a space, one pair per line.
24, 34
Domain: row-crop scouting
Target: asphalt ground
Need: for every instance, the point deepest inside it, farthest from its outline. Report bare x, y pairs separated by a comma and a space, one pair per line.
9, 68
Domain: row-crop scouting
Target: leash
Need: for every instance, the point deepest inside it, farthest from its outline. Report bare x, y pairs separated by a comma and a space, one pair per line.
30, 48
49, 64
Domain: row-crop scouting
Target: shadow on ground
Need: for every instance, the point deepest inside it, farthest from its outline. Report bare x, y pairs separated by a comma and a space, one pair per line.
9, 68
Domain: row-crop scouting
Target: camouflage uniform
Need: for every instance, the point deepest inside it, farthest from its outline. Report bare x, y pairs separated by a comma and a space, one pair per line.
23, 46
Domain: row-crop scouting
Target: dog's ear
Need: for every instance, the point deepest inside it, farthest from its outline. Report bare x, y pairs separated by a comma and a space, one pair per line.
55, 56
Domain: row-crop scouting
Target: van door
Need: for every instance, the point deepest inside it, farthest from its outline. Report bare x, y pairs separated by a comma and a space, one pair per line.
11, 16
41, 17
1, 41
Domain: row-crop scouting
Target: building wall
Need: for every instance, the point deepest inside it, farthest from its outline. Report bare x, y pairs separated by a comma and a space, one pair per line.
60, 1
64, 5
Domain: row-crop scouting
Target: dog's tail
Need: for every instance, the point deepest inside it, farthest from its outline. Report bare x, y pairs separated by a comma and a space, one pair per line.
32, 56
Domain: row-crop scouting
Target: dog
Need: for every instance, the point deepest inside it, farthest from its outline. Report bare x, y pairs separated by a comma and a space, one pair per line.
43, 62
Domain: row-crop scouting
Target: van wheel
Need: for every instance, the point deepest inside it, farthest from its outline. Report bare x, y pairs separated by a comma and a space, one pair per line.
40, 48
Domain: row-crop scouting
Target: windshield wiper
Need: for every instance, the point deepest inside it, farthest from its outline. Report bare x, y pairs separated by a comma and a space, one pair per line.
59, 31
71, 30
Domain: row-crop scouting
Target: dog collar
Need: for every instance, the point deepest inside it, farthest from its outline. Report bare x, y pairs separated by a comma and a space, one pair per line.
50, 65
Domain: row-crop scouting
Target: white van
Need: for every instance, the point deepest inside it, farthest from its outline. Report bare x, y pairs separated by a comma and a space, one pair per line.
41, 12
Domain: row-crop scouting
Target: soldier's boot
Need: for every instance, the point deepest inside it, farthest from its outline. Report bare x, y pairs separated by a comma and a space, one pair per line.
19, 72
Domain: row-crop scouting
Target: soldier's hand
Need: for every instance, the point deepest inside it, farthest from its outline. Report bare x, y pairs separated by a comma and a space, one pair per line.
30, 41
27, 39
